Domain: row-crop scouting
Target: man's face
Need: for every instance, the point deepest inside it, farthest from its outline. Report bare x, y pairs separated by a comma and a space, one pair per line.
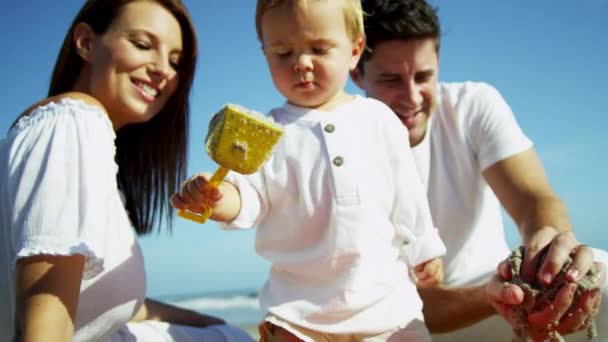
403, 75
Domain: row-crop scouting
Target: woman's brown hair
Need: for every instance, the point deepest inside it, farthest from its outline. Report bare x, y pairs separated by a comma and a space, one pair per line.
151, 156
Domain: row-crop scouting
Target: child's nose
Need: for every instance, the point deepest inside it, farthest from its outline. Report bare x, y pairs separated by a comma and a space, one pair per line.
303, 63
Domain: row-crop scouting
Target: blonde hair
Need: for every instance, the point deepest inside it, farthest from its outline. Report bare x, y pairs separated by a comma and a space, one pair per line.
353, 15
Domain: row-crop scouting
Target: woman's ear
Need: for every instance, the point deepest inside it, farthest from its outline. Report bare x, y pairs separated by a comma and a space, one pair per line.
83, 40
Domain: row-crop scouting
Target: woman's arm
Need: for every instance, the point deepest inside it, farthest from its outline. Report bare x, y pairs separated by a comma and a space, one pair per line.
48, 290
159, 311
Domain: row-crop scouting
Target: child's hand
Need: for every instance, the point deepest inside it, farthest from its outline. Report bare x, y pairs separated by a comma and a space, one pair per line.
429, 273
196, 193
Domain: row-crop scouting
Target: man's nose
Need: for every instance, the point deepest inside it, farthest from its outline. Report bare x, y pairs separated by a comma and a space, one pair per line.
411, 97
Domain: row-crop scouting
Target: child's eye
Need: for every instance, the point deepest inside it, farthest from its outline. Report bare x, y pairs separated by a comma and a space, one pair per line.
283, 54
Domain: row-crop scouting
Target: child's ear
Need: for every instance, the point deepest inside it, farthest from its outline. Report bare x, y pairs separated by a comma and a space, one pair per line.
358, 46
83, 40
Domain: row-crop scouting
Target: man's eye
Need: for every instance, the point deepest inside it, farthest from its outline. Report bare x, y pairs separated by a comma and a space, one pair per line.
388, 80
283, 54
424, 77
320, 50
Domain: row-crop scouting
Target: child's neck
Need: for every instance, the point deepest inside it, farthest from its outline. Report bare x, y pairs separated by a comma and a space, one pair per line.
338, 100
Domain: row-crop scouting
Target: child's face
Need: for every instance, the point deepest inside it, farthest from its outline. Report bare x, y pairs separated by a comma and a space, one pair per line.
309, 52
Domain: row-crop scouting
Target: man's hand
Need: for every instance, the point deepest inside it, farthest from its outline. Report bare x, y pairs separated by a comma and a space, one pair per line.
547, 251
570, 317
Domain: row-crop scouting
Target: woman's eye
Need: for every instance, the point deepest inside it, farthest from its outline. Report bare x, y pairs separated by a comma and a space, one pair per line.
140, 44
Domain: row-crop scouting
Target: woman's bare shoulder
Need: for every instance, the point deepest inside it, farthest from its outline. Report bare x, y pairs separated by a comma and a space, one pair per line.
86, 98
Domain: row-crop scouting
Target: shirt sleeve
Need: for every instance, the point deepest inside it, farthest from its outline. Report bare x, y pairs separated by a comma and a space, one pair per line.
254, 203
493, 130
411, 213
62, 173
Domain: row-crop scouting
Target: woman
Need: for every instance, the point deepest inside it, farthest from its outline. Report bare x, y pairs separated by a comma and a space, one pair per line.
85, 167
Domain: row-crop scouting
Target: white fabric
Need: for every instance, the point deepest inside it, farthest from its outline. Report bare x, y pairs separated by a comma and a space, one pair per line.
59, 196
472, 128
337, 235
154, 331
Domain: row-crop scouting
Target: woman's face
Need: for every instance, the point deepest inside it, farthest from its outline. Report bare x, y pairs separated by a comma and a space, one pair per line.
132, 68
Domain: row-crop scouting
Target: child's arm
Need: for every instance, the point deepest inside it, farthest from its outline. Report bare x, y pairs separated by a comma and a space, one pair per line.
429, 273
195, 193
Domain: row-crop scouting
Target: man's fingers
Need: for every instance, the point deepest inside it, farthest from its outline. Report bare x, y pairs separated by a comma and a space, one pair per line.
505, 311
504, 270
535, 251
502, 296
582, 261
504, 293
531, 261
576, 318
553, 312
562, 246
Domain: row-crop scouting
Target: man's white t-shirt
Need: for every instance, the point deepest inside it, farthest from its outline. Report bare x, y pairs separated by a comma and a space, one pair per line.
471, 129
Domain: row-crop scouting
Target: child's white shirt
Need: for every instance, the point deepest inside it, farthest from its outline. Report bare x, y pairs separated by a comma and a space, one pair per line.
341, 214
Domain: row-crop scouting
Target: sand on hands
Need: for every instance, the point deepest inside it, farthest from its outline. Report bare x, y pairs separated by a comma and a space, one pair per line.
537, 297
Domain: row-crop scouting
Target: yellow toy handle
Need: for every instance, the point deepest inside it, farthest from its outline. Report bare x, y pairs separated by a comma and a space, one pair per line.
215, 182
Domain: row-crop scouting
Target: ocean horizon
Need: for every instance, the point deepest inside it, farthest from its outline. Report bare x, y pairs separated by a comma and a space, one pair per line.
237, 307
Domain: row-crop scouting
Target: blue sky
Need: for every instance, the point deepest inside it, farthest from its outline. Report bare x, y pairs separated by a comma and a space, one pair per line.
547, 57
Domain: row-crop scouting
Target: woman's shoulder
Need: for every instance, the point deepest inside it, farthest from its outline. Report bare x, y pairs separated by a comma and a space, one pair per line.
66, 102
65, 98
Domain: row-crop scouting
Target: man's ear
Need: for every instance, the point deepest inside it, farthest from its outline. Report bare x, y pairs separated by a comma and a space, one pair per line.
83, 40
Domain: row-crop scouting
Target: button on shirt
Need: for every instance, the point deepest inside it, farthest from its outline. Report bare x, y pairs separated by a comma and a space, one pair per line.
340, 213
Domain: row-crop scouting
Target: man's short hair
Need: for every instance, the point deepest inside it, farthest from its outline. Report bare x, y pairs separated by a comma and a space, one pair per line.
386, 20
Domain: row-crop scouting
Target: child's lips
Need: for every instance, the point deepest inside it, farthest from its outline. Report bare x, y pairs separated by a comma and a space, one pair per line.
305, 85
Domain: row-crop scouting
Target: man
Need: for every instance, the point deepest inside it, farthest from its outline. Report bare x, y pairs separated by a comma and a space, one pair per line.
474, 157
